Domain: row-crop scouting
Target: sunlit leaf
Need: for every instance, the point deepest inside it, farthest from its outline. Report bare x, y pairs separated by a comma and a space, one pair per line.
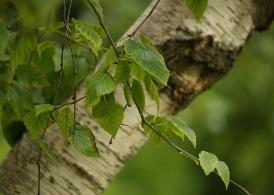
197, 7
64, 120
88, 33
36, 124
208, 161
43, 108
83, 140
181, 129
223, 172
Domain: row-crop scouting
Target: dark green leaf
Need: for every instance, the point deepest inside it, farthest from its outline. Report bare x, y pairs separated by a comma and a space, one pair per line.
128, 95
137, 72
108, 114
14, 131
122, 72
152, 91
208, 161
197, 7
4, 38
19, 98
83, 140
148, 58
138, 95
25, 45
98, 85
30, 75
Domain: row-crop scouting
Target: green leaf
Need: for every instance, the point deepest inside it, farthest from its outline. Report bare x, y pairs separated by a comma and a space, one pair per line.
208, 161
108, 114
43, 108
108, 59
83, 140
97, 6
160, 124
4, 38
137, 72
30, 75
36, 124
152, 91
43, 46
148, 58
88, 33
98, 85
19, 98
64, 120
122, 72
138, 95
25, 45
223, 172
181, 128
128, 95
197, 7
46, 148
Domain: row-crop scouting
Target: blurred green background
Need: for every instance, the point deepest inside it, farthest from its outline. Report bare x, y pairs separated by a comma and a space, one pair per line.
234, 120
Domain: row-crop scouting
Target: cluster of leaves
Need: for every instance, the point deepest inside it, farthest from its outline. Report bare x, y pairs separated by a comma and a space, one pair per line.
30, 70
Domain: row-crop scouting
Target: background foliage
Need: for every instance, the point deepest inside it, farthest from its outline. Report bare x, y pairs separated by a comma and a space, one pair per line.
235, 120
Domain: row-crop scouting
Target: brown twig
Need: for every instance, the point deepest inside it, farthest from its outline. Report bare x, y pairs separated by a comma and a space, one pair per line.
145, 19
104, 28
70, 103
45, 130
182, 151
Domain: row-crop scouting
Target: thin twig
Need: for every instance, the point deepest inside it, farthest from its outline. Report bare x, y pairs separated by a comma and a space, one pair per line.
45, 130
182, 151
71, 39
61, 73
66, 21
70, 103
145, 19
104, 28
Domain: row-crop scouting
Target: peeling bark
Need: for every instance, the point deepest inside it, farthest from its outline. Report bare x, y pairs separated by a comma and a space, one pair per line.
198, 54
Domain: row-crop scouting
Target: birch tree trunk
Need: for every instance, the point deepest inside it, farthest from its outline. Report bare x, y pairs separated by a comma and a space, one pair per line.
198, 54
